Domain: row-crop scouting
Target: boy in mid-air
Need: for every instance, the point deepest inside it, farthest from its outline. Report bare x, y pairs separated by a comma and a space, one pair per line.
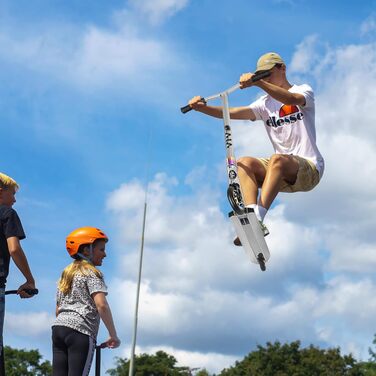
288, 113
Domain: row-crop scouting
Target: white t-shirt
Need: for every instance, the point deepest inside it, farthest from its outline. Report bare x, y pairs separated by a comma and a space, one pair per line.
291, 129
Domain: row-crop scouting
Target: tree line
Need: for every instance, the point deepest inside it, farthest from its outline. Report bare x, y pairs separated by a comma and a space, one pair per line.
273, 359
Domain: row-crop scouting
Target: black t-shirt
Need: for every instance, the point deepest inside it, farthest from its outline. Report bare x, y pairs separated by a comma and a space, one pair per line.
10, 225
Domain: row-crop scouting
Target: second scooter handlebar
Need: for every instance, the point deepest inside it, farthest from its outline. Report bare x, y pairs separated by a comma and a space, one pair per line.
256, 77
31, 292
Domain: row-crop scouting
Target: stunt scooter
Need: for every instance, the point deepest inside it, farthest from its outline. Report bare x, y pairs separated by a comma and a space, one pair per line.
30, 292
244, 219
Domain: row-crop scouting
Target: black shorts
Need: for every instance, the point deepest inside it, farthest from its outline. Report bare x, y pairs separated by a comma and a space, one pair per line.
72, 352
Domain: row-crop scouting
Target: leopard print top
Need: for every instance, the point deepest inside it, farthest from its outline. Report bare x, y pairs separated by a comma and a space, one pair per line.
77, 309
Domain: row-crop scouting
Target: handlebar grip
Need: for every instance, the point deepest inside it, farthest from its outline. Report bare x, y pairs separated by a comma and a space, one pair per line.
28, 291
261, 75
186, 109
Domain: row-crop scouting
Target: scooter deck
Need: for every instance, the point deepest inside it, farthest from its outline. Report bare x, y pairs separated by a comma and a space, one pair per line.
249, 231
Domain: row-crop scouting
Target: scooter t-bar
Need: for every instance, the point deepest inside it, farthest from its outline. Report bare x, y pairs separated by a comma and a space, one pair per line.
256, 77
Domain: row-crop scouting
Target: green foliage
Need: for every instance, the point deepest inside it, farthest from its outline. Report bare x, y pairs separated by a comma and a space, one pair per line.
160, 364
275, 359
203, 372
371, 352
369, 368
290, 360
25, 363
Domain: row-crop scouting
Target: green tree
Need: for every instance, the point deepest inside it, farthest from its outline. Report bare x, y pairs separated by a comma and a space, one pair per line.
369, 367
371, 352
25, 363
160, 364
203, 372
290, 360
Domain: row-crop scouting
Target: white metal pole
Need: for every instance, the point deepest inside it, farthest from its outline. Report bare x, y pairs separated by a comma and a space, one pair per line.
134, 340
131, 366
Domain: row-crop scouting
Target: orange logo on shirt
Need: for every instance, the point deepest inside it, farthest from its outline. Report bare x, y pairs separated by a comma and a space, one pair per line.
288, 114
288, 109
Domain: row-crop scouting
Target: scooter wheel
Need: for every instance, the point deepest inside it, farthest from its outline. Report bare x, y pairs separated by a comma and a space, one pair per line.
261, 261
233, 198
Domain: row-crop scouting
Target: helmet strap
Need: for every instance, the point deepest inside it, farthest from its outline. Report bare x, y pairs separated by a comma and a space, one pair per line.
87, 258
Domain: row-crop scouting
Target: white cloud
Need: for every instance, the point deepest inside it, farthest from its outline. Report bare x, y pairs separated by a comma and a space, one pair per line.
368, 27
306, 56
156, 11
95, 57
30, 324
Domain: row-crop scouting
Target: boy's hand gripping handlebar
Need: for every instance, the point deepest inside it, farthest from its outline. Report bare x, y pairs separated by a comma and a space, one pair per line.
256, 77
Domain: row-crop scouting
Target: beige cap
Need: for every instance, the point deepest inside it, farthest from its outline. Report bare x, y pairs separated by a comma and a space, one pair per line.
267, 61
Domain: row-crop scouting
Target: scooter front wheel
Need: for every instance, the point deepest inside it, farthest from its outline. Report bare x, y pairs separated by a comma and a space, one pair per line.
234, 197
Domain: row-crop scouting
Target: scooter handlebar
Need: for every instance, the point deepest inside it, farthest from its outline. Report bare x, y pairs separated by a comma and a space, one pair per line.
28, 291
186, 109
256, 77
261, 75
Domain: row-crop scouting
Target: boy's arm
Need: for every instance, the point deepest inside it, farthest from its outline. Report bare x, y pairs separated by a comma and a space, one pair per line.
280, 94
19, 258
237, 113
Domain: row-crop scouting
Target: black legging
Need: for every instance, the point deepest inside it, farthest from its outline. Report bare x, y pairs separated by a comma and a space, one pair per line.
72, 352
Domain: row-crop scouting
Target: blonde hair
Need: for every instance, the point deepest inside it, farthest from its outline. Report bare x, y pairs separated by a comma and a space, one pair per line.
7, 182
78, 266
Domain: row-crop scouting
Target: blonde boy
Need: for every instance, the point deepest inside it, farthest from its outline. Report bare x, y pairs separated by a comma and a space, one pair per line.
11, 232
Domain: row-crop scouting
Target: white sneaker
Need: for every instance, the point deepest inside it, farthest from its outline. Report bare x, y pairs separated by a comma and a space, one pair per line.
264, 229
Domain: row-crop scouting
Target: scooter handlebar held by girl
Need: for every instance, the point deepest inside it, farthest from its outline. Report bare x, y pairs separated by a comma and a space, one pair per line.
246, 224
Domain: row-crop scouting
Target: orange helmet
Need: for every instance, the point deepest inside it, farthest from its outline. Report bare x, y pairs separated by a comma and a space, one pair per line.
83, 235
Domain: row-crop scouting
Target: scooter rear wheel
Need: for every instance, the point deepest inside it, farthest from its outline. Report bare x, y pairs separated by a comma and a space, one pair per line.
261, 261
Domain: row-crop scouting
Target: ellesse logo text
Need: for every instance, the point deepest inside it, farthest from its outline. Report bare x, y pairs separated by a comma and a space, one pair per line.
288, 114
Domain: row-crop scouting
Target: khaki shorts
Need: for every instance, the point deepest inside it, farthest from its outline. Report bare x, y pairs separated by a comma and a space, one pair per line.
308, 176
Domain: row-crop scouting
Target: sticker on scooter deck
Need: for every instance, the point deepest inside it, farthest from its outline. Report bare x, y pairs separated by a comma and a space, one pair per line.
251, 236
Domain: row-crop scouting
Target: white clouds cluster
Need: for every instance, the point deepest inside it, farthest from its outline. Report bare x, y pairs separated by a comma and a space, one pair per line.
345, 200
93, 57
198, 288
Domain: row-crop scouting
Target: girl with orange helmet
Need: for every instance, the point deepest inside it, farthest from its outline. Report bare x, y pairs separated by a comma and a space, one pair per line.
81, 303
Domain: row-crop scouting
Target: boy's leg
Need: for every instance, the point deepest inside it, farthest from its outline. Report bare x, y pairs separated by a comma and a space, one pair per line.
2, 313
282, 168
251, 175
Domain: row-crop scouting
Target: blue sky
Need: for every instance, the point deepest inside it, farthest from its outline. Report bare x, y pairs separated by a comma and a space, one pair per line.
85, 85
